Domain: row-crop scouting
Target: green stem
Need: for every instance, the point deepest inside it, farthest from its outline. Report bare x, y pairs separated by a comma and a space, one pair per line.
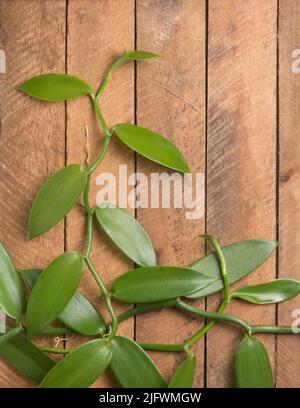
99, 115
212, 316
56, 350
93, 166
273, 329
106, 295
215, 244
89, 235
108, 75
10, 334
146, 308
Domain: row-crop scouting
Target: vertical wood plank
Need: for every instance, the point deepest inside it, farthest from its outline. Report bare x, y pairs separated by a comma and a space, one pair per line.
98, 32
32, 34
171, 100
241, 162
288, 359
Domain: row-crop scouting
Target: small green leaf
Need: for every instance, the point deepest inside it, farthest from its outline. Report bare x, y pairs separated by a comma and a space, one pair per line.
12, 297
152, 145
125, 231
156, 283
28, 359
253, 368
79, 314
241, 257
55, 87
55, 199
140, 55
275, 291
53, 290
81, 367
184, 375
133, 367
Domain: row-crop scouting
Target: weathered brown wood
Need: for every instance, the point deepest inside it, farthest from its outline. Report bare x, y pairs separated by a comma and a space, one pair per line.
288, 358
171, 100
98, 32
241, 162
32, 34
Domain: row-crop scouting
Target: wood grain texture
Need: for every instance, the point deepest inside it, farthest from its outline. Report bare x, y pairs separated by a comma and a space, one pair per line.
32, 34
288, 360
98, 32
241, 161
171, 100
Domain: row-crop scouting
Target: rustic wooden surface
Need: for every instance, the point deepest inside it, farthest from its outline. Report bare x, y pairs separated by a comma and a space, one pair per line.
224, 93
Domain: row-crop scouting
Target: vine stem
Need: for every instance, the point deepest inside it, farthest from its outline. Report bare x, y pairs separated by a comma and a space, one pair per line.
90, 212
215, 244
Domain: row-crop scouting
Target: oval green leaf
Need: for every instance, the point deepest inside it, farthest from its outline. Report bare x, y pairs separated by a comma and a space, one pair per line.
241, 257
132, 367
125, 231
275, 291
28, 359
55, 199
55, 87
156, 283
140, 55
52, 291
81, 367
152, 145
12, 297
79, 314
184, 375
253, 368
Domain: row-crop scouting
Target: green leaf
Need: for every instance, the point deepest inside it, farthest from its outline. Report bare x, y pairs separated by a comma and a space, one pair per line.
55, 199
152, 145
125, 231
275, 291
55, 87
140, 55
184, 375
241, 257
81, 367
133, 367
52, 291
28, 359
253, 368
79, 314
156, 283
12, 297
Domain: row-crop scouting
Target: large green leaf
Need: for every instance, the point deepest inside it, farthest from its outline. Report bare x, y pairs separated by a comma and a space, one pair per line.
79, 314
133, 367
241, 257
55, 199
55, 87
156, 283
53, 290
152, 145
253, 368
28, 359
275, 291
125, 231
12, 297
81, 367
184, 375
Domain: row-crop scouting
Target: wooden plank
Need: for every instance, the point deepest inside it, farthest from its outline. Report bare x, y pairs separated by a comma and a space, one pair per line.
241, 146
98, 32
32, 34
171, 100
288, 359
